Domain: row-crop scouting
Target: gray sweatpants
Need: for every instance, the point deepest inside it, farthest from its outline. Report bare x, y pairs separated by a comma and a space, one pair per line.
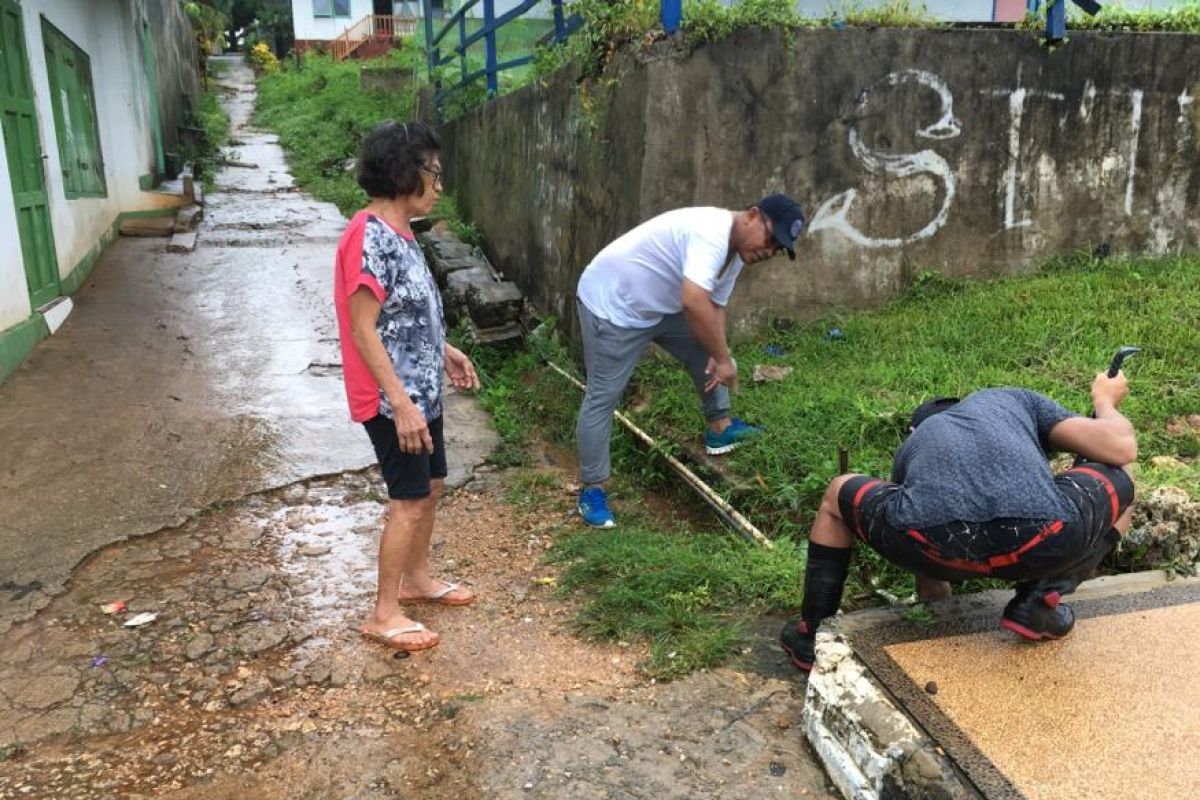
609, 354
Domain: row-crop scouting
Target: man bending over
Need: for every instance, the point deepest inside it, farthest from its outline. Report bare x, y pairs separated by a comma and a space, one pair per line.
972, 495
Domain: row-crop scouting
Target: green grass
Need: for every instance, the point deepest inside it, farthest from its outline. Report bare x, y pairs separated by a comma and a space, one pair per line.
687, 592
1051, 333
212, 118
1184, 18
689, 587
894, 14
322, 114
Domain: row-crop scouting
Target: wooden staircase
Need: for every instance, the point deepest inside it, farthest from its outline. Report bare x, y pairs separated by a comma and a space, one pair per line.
372, 35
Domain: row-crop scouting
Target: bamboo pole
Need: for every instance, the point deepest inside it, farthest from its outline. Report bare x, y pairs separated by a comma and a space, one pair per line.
727, 512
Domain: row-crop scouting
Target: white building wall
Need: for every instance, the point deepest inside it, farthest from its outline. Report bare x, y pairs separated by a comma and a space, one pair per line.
309, 28
105, 30
14, 293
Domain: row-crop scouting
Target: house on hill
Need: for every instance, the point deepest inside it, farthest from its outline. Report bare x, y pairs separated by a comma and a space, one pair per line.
358, 28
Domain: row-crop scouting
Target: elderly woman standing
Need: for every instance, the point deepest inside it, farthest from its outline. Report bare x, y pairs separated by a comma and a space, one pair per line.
393, 354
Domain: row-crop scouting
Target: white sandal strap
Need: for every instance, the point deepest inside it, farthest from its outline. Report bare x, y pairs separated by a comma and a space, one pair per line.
445, 590
392, 633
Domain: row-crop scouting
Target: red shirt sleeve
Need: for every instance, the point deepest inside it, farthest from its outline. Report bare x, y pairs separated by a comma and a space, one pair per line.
351, 264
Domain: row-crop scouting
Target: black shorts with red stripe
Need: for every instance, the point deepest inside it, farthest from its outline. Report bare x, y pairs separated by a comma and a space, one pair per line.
1009, 549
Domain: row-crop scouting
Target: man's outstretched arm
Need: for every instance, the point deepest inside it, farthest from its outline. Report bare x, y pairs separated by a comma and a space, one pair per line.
1108, 438
706, 319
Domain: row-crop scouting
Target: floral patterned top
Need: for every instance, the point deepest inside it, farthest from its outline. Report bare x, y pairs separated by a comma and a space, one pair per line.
391, 265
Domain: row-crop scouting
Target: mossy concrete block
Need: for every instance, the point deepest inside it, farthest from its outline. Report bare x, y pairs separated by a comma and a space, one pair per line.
495, 304
461, 283
444, 268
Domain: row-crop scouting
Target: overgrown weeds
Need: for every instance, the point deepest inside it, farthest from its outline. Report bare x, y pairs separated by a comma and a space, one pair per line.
688, 587
322, 113
688, 592
1181, 18
1051, 332
203, 152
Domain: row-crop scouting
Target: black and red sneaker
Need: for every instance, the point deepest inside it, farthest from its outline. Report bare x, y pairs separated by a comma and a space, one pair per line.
799, 642
1038, 615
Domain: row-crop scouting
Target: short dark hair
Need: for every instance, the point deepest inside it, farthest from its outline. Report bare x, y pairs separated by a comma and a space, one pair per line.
930, 407
391, 157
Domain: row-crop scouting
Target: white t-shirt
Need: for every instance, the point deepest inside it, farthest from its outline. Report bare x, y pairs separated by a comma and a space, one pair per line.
638, 278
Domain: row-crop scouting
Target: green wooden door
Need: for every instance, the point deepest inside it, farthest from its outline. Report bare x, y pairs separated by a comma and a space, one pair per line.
23, 149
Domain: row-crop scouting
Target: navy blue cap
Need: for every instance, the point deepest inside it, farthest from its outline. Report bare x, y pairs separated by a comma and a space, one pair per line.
787, 220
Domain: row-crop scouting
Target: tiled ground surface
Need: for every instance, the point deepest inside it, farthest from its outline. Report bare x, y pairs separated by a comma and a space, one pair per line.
1112, 711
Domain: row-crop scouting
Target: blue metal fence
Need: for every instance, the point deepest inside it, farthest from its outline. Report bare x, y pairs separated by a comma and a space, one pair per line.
492, 22
564, 25
1056, 15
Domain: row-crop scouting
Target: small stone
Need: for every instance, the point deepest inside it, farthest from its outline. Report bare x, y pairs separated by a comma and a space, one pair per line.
247, 579
317, 671
344, 673
199, 646
256, 640
313, 550
1167, 462
295, 495
423, 678
931, 687
252, 692
782, 722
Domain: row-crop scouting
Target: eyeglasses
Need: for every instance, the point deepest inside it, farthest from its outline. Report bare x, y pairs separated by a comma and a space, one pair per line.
770, 229
435, 174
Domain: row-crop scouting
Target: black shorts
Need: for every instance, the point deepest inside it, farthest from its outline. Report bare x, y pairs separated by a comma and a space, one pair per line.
1010, 549
407, 474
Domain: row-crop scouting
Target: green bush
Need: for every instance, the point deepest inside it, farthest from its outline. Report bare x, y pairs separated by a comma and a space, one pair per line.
322, 114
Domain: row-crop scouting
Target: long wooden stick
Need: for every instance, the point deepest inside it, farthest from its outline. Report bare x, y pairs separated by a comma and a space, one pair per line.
727, 512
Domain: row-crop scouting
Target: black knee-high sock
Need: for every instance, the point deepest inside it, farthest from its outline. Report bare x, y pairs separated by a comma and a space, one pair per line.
824, 579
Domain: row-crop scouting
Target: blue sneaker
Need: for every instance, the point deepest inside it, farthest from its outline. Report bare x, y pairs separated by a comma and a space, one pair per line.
736, 434
593, 507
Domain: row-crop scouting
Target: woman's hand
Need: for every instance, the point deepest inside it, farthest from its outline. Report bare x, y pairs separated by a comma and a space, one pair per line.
460, 369
411, 428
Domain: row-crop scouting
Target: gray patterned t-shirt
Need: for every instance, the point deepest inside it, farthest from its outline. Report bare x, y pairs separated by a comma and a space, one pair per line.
410, 320
985, 458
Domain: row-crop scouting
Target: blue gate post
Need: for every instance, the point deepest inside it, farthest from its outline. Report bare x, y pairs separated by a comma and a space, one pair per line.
489, 24
672, 14
462, 51
1056, 20
560, 25
432, 55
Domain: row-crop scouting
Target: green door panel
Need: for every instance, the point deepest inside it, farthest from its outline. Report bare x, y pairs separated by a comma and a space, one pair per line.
23, 151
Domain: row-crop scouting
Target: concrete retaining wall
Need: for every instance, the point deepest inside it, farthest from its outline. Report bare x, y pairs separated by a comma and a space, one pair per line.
176, 66
971, 152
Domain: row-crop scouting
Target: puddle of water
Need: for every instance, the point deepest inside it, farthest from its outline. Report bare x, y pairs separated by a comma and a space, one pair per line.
328, 551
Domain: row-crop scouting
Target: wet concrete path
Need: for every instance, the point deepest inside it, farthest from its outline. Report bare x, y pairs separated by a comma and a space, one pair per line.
181, 380
191, 385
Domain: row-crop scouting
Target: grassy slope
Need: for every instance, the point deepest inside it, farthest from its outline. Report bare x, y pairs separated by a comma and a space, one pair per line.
1051, 332
688, 586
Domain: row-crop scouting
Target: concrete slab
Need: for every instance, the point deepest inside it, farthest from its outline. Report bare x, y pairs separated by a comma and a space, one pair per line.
182, 242
957, 707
